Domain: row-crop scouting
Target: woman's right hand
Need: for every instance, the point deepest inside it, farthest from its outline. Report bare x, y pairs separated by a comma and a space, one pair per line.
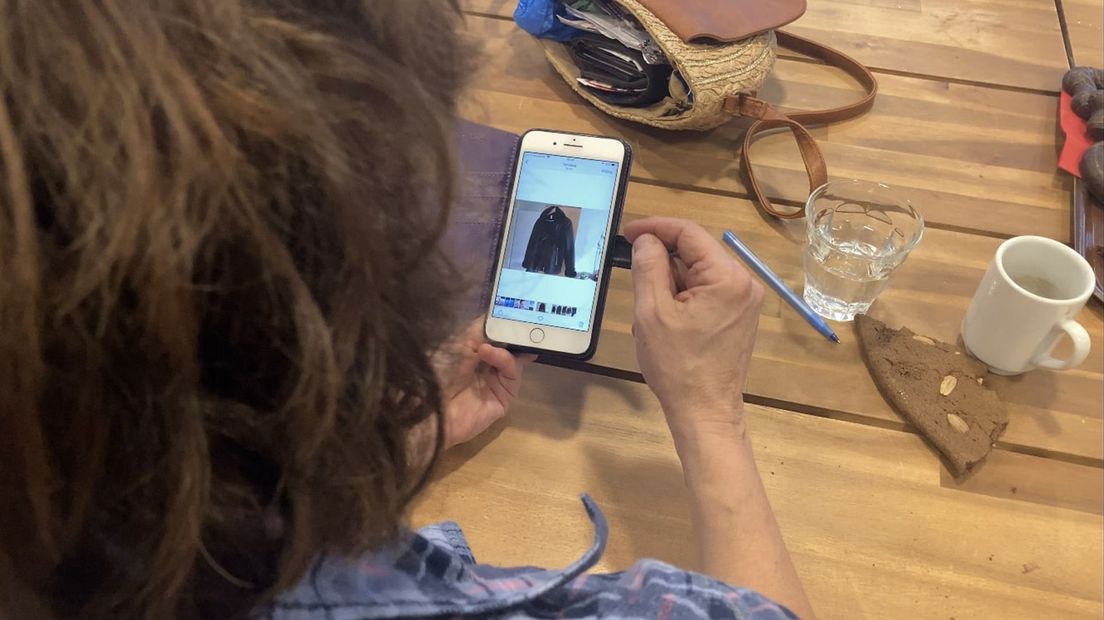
696, 314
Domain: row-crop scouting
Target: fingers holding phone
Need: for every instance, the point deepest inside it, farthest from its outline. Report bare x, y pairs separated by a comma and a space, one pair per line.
479, 382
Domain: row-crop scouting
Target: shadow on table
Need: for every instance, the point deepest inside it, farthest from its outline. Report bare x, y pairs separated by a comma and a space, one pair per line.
551, 403
1096, 307
646, 501
455, 458
560, 394
1036, 389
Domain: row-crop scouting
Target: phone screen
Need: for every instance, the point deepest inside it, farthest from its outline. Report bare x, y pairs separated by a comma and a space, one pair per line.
557, 240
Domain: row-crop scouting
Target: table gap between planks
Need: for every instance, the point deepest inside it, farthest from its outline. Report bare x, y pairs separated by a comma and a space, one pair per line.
877, 526
1084, 21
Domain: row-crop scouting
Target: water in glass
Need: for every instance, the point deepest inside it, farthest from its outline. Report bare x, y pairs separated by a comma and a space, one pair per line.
858, 234
844, 280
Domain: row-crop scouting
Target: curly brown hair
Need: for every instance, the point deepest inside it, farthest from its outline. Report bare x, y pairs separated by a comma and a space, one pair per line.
219, 286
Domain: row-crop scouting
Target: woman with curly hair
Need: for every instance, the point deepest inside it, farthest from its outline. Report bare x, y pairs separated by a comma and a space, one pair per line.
224, 360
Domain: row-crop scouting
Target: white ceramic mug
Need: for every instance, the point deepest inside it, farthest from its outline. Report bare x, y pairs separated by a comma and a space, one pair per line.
1026, 301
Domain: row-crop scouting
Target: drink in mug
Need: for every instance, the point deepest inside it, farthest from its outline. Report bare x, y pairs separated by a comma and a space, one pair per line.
1027, 300
858, 234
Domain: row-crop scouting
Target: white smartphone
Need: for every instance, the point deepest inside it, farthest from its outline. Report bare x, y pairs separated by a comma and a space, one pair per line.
553, 258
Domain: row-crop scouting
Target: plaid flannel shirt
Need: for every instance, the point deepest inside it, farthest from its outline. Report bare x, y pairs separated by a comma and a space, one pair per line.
433, 573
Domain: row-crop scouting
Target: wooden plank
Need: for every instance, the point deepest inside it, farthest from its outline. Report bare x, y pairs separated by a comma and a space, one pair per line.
1006, 42
871, 529
968, 157
1019, 476
1086, 33
1051, 411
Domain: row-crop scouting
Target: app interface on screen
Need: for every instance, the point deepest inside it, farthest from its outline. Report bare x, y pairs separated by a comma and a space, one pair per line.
556, 241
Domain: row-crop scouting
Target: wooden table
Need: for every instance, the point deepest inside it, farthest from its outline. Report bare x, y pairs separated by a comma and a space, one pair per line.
965, 125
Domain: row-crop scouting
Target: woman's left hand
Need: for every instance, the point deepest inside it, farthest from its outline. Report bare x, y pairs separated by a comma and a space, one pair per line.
478, 381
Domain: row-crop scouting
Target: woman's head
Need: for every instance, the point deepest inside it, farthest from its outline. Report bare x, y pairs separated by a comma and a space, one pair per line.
219, 283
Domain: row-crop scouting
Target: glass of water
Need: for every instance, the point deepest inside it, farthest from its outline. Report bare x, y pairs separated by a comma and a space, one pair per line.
858, 233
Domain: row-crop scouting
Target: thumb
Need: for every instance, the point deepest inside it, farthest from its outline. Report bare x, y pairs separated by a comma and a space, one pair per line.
504, 362
651, 273
507, 372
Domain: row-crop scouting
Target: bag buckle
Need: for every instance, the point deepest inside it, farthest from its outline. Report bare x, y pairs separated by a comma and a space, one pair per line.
747, 105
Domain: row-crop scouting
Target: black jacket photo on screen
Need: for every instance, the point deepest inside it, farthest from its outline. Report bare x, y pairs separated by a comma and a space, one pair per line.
551, 246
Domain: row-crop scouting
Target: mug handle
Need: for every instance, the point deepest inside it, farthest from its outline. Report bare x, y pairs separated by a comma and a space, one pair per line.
1080, 339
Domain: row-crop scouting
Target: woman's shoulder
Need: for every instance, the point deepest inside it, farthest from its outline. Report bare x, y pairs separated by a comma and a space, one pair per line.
653, 589
433, 572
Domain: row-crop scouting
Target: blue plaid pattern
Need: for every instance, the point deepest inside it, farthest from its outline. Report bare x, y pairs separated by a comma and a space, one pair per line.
433, 573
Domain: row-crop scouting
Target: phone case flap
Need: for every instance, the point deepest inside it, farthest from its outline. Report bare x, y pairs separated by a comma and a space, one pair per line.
487, 157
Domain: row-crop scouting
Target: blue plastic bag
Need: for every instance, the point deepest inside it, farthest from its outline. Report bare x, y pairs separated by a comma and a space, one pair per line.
538, 18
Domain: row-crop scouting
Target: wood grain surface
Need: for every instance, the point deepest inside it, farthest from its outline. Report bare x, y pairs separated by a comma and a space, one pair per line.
1085, 24
1003, 42
872, 530
965, 126
1052, 411
970, 158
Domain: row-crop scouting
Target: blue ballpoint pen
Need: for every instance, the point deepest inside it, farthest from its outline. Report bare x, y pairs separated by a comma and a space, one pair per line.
776, 283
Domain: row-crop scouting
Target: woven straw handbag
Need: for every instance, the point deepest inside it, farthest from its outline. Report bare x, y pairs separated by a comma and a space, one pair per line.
724, 51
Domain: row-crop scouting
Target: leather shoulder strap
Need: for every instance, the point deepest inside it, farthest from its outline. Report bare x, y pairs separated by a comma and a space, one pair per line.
833, 58
766, 117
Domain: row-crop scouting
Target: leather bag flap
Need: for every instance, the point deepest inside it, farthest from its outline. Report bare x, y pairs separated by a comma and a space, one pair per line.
723, 21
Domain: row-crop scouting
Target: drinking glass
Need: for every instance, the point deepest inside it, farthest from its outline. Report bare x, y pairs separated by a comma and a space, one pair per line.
859, 232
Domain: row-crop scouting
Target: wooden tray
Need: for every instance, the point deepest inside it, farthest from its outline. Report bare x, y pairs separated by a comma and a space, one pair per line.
1088, 231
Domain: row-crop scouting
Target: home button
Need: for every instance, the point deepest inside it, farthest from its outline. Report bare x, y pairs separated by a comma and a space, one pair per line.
537, 335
